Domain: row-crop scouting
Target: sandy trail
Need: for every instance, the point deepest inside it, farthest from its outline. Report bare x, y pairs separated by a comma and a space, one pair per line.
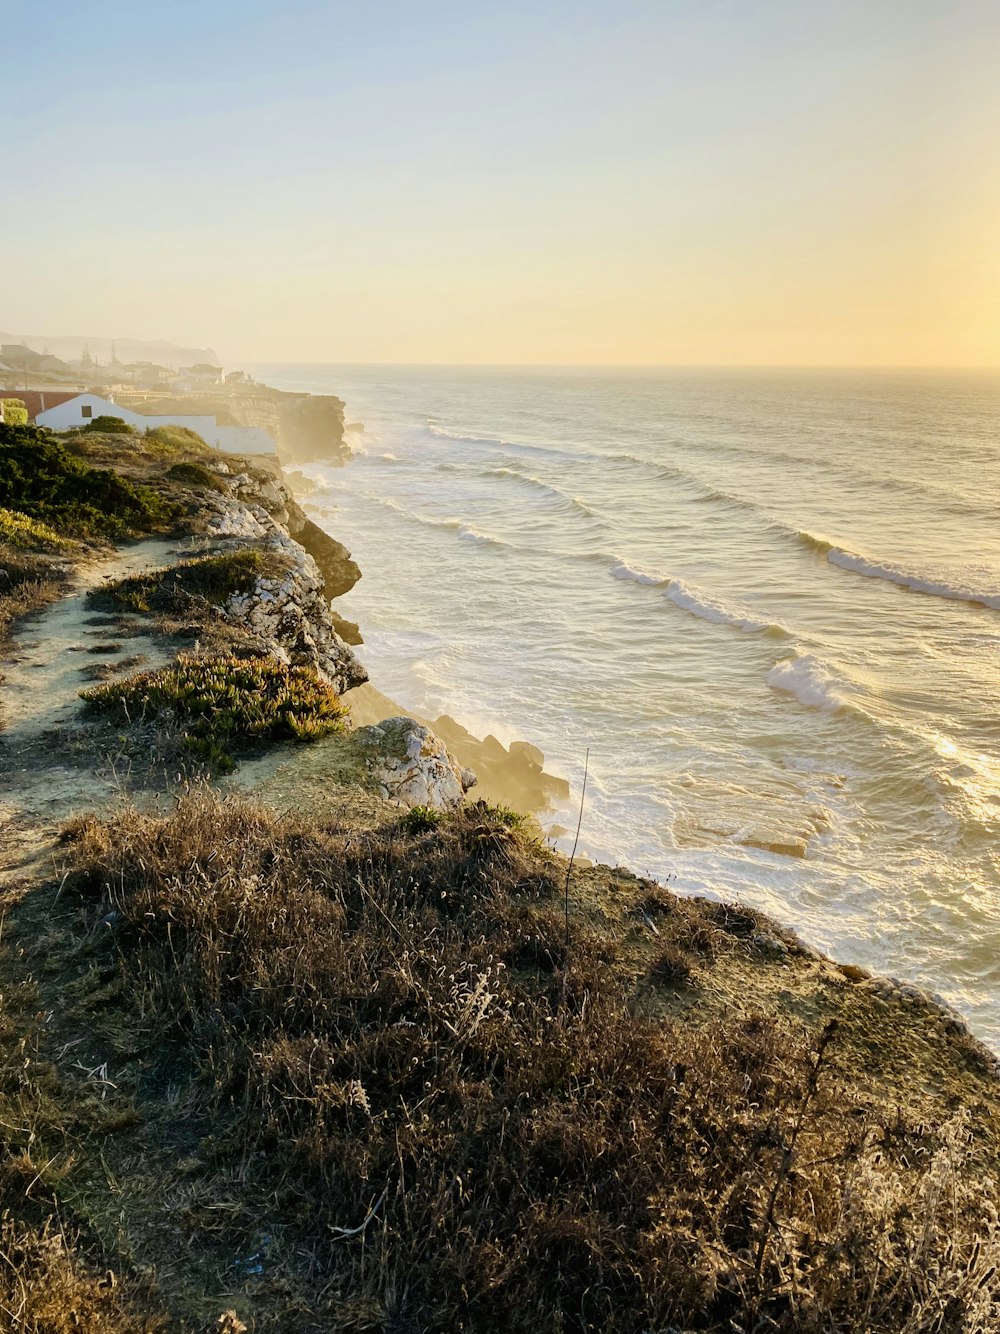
44, 675
40, 684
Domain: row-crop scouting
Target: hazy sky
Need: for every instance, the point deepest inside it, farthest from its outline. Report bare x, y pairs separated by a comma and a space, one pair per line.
706, 181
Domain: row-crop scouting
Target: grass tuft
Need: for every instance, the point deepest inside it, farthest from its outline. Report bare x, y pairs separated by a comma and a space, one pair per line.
212, 579
460, 1117
223, 703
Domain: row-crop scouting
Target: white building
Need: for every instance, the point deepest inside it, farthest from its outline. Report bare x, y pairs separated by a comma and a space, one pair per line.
78, 411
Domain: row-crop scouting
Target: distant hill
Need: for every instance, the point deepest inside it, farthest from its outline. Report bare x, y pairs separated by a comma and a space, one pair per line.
127, 350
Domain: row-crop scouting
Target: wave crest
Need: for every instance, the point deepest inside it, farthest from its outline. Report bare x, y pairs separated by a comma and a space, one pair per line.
622, 570
710, 609
695, 600
805, 677
869, 569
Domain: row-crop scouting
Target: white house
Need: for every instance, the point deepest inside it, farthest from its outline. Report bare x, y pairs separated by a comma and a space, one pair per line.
83, 408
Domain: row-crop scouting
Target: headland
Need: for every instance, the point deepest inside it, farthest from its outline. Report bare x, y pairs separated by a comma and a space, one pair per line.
306, 1028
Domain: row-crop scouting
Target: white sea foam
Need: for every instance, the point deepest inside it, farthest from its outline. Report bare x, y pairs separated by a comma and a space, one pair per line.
708, 608
870, 569
623, 570
805, 677
694, 600
469, 534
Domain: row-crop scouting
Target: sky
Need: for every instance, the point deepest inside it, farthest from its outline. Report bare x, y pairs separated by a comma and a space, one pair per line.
713, 182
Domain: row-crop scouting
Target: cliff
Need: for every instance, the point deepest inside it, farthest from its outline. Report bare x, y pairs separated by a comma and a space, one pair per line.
307, 428
299, 1037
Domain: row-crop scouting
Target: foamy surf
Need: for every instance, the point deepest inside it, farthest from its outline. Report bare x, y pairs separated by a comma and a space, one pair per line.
623, 570
695, 600
805, 677
870, 569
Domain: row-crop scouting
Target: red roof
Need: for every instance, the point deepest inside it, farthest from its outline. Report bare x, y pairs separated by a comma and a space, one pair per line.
40, 400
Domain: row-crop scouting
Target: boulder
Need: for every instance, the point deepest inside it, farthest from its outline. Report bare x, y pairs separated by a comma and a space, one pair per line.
410, 765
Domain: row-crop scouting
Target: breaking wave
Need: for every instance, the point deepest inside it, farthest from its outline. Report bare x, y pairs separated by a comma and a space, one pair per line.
870, 569
812, 684
707, 608
622, 570
695, 600
893, 574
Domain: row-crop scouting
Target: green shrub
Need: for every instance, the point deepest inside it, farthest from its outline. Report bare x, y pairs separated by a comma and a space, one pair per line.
175, 438
196, 474
13, 412
222, 702
107, 425
421, 819
212, 579
40, 478
17, 530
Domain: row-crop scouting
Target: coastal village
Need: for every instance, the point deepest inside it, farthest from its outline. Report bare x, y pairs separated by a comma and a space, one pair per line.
306, 1025
229, 410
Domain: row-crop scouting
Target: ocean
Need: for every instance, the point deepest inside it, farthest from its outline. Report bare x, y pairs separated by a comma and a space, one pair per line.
767, 603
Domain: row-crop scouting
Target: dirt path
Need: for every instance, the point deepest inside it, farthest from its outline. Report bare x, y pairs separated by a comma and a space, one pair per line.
55, 647
55, 654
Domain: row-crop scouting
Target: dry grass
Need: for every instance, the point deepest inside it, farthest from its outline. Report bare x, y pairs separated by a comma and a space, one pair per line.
45, 1289
455, 1112
28, 581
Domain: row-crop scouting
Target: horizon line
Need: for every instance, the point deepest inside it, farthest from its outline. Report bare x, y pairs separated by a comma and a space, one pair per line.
647, 365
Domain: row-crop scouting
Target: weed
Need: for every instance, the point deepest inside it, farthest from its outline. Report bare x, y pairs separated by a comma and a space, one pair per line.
421, 819
220, 703
195, 474
178, 588
40, 478
462, 1145
672, 968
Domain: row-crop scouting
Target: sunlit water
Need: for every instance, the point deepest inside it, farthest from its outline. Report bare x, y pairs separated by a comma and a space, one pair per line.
768, 603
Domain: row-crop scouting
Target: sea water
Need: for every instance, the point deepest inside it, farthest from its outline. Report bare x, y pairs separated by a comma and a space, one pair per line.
767, 603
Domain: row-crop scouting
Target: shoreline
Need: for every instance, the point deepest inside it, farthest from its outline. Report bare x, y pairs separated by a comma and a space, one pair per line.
284, 963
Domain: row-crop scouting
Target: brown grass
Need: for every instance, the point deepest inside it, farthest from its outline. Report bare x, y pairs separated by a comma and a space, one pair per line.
45, 1289
459, 1117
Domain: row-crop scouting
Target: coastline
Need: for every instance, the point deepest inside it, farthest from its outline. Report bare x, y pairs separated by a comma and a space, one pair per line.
702, 977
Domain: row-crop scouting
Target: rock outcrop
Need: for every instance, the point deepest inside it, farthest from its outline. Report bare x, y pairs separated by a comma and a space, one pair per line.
408, 764
290, 615
311, 429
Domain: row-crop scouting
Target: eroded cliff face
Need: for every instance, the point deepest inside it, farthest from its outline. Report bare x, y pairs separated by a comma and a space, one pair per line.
307, 428
290, 615
311, 429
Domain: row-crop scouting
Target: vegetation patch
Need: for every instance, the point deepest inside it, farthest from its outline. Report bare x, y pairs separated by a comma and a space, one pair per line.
422, 819
28, 581
17, 530
222, 703
446, 1141
189, 473
42, 479
105, 424
13, 411
175, 439
179, 588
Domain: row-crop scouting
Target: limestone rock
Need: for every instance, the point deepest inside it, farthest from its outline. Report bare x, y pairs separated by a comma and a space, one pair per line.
409, 764
292, 614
